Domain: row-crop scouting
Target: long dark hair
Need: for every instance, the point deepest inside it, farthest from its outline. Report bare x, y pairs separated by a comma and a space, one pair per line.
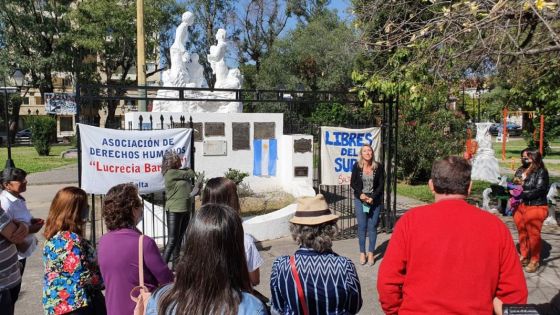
537, 163
221, 190
213, 271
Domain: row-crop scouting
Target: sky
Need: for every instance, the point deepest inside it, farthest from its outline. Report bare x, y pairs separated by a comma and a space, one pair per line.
341, 6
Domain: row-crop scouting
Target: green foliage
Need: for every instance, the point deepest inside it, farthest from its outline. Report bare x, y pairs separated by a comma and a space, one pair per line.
336, 114
235, 175
43, 130
319, 55
425, 136
35, 35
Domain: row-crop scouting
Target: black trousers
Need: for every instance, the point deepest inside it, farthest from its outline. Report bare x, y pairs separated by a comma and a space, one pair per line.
8, 299
177, 223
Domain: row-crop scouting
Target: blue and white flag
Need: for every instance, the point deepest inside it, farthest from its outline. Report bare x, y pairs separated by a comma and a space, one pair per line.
265, 154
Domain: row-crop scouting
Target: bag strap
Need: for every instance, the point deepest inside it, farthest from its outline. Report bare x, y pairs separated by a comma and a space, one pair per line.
141, 260
298, 285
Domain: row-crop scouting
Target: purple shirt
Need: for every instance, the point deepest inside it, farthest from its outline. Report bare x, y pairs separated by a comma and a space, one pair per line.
118, 261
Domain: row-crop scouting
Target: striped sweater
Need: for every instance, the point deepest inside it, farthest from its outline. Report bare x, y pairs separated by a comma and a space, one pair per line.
330, 284
9, 270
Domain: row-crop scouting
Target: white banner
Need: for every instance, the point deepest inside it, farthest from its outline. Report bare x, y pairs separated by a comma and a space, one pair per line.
340, 148
111, 157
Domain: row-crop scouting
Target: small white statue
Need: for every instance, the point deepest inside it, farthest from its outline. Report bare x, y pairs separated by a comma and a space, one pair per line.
196, 72
553, 192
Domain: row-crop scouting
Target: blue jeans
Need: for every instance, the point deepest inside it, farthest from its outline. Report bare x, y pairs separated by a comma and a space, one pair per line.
367, 225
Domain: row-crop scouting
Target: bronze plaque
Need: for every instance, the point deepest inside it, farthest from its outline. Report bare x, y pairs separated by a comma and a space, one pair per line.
241, 136
265, 130
302, 145
301, 171
214, 129
197, 131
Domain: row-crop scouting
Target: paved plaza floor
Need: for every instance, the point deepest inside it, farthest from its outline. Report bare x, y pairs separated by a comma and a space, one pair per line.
42, 186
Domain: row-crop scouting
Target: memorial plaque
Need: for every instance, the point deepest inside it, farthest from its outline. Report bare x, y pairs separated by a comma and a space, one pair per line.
302, 145
214, 129
301, 171
197, 131
241, 136
214, 148
265, 130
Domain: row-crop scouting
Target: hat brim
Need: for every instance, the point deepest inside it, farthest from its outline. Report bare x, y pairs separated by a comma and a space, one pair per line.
314, 220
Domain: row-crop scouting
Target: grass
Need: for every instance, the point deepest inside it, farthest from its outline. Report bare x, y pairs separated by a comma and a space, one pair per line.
516, 145
25, 157
423, 193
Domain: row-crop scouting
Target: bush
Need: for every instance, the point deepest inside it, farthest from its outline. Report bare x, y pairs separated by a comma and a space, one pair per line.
236, 176
425, 137
43, 130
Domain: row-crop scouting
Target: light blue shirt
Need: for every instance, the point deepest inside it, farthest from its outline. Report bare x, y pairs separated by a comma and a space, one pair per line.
249, 305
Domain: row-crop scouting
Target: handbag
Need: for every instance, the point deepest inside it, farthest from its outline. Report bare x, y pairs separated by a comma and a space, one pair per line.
141, 299
298, 285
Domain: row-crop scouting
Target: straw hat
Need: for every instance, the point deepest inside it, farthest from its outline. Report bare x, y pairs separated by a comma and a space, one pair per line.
313, 211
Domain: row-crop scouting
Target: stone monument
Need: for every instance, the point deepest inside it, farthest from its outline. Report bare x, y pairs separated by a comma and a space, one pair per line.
485, 165
187, 72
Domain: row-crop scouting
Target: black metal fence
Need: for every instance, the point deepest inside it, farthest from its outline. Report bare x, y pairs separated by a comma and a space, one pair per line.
298, 108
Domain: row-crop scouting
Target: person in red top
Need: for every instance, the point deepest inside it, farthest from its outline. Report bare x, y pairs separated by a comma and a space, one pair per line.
449, 257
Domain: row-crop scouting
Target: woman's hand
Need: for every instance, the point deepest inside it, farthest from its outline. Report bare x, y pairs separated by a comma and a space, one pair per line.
497, 306
363, 197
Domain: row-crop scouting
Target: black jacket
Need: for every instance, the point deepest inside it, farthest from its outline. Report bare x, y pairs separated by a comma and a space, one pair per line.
535, 187
378, 180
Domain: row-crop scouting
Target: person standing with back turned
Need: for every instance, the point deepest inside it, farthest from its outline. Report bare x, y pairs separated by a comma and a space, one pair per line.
449, 257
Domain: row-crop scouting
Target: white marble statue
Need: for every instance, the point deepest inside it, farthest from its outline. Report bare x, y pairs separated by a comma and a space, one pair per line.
178, 74
186, 71
485, 165
196, 72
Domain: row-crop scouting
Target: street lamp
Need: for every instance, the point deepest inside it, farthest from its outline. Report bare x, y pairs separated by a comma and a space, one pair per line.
18, 79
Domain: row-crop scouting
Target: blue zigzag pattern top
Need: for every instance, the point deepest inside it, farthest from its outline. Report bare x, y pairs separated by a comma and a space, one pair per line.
330, 284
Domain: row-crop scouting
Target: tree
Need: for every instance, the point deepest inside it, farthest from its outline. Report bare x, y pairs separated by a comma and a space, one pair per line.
43, 131
210, 15
33, 36
307, 10
319, 55
261, 23
107, 29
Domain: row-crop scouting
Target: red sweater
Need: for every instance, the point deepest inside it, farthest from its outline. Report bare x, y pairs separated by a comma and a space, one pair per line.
449, 258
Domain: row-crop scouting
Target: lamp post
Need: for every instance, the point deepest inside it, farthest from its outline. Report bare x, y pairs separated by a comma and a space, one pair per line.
18, 79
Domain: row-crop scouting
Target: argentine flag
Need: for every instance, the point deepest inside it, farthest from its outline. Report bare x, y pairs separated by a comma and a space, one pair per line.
265, 154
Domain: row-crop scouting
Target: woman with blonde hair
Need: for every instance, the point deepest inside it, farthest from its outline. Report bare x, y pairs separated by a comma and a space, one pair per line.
72, 282
367, 182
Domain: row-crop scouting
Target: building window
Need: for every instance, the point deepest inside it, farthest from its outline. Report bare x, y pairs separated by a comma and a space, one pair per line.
38, 100
66, 124
25, 101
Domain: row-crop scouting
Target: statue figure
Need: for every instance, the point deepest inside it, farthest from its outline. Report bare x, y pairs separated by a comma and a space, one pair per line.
182, 31
216, 59
186, 71
485, 165
178, 74
196, 72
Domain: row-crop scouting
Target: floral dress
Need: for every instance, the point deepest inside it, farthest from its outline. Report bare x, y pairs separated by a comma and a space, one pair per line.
71, 272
